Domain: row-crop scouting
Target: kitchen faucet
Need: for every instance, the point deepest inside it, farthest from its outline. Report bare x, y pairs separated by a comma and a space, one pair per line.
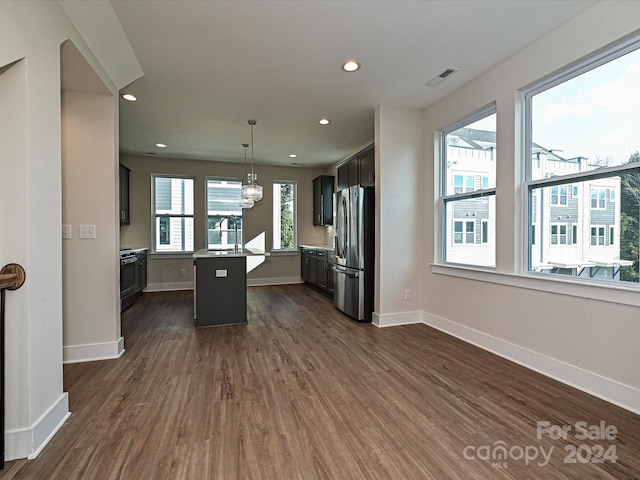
235, 229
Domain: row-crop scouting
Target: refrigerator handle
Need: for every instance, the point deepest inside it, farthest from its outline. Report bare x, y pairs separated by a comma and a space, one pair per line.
346, 272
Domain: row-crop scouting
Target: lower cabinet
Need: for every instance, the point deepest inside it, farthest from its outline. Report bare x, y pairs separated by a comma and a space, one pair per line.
317, 268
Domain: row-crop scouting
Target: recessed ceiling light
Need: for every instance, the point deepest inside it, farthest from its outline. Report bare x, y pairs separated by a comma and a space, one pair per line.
129, 97
293, 155
324, 121
350, 66
161, 145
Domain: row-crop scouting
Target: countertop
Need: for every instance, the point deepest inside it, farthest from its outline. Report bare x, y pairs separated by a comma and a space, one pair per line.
205, 253
319, 247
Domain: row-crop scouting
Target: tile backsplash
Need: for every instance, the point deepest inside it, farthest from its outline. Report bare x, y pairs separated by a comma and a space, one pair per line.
328, 236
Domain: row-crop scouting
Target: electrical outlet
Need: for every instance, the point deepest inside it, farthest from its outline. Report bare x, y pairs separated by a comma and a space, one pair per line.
86, 231
407, 294
66, 232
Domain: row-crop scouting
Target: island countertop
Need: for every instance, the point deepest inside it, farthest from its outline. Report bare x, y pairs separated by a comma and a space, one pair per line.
205, 253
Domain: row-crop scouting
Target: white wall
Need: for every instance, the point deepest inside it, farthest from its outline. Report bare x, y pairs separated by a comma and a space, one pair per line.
165, 273
91, 301
31, 194
399, 222
584, 336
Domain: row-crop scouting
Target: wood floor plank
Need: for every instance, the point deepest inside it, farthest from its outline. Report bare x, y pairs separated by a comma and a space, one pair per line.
304, 392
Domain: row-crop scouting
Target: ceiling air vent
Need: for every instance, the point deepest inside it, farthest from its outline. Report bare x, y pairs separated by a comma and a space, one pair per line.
447, 72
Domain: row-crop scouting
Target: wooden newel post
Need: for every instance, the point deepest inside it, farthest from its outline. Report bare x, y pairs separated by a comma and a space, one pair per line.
12, 277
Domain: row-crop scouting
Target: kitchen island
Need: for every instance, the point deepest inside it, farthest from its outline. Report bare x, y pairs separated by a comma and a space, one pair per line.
220, 287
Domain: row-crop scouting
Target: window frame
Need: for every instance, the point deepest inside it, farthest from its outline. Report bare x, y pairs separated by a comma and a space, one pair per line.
566, 73
445, 199
294, 213
155, 215
207, 216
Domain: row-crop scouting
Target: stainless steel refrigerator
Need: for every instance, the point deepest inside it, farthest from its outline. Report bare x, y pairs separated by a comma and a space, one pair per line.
353, 227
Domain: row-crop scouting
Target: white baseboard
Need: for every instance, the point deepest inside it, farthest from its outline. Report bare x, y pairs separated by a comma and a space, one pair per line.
251, 282
167, 287
29, 442
262, 282
93, 352
619, 394
395, 319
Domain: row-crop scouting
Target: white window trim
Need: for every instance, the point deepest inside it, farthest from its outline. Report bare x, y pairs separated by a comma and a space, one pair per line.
441, 243
294, 249
566, 234
464, 232
604, 198
519, 276
206, 209
605, 232
153, 252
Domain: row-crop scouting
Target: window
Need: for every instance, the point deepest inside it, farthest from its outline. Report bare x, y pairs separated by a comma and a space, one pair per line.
571, 122
597, 236
559, 195
224, 216
457, 183
468, 157
173, 214
284, 216
485, 231
598, 198
558, 234
464, 231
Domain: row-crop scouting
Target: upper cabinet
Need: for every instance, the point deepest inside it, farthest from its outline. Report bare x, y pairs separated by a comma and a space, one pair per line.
124, 195
323, 200
366, 161
358, 170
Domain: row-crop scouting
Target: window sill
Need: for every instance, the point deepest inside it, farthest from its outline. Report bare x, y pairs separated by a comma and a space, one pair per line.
283, 253
170, 255
610, 292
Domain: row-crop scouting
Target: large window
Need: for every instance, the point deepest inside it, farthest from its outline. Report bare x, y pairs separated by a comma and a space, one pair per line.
284, 216
173, 214
224, 216
468, 150
583, 156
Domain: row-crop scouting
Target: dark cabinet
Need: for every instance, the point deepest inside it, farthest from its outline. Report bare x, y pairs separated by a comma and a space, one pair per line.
317, 268
124, 195
323, 200
141, 271
220, 290
366, 160
323, 277
343, 176
309, 267
358, 170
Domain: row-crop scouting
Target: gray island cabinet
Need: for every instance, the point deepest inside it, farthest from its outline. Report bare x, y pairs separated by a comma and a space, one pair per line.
220, 288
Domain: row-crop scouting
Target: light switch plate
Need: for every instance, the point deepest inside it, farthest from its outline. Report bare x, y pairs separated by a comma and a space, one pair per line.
86, 231
66, 231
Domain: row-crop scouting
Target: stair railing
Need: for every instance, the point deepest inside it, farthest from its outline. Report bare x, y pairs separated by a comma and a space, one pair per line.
12, 277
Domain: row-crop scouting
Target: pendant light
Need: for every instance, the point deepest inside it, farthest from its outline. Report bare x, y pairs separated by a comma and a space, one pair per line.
245, 202
252, 191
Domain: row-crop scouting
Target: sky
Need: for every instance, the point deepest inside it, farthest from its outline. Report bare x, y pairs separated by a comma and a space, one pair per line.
595, 115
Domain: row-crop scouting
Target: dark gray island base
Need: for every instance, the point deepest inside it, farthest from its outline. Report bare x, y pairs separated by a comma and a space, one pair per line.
220, 290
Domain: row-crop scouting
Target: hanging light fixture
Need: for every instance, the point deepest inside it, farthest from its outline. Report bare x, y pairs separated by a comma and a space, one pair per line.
245, 202
252, 191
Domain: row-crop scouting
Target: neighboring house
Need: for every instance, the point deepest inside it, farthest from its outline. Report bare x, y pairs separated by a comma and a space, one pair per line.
574, 229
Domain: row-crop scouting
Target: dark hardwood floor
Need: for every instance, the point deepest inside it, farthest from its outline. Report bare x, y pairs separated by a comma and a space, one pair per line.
303, 392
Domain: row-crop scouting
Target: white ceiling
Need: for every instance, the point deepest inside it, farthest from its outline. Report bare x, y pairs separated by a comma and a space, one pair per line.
209, 66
